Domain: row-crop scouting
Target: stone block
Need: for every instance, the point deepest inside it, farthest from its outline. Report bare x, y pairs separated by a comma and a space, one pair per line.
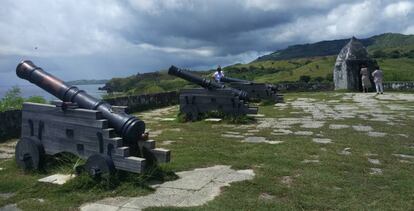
58, 179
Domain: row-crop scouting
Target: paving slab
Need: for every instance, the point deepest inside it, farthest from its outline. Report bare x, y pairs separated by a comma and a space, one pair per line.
266, 197
303, 133
362, 128
58, 179
338, 126
167, 119
213, 120
310, 161
404, 156
376, 134
232, 132
253, 131
374, 161
345, 151
312, 124
256, 115
231, 136
194, 188
10, 207
258, 139
322, 140
281, 132
287, 180
375, 171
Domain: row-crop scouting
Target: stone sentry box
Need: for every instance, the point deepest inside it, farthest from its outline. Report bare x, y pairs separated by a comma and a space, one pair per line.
349, 62
83, 132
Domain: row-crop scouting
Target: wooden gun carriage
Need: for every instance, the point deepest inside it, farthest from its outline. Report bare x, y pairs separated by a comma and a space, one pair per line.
106, 136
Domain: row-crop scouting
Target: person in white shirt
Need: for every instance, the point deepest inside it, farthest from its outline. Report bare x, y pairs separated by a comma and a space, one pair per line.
366, 83
378, 78
218, 74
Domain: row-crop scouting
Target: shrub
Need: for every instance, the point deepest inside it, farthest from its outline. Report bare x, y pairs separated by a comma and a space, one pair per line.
318, 79
13, 100
304, 78
329, 77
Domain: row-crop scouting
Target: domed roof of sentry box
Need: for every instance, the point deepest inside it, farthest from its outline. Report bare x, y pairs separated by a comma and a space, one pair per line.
353, 50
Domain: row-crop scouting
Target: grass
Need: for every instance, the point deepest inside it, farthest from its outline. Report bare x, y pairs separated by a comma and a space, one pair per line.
338, 182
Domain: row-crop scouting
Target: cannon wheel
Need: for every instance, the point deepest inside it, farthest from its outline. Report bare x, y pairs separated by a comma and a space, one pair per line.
29, 153
99, 165
191, 112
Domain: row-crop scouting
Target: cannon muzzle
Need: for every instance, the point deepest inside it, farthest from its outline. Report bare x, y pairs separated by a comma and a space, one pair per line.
129, 127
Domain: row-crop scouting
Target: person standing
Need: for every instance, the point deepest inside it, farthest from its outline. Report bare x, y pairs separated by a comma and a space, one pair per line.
218, 74
366, 83
378, 78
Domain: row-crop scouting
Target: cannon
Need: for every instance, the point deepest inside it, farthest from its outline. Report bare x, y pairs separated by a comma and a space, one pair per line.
105, 135
212, 97
259, 91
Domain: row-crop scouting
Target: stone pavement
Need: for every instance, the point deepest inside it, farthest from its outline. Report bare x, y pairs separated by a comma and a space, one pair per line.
194, 188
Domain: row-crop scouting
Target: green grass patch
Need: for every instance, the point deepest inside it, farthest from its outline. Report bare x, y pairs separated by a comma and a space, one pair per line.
337, 182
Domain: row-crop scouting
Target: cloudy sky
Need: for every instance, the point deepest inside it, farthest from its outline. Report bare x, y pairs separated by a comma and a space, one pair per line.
98, 39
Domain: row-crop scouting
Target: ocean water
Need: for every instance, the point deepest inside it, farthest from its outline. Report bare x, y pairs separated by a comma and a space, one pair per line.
33, 90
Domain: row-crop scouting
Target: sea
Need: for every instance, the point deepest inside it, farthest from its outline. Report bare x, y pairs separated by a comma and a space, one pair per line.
33, 90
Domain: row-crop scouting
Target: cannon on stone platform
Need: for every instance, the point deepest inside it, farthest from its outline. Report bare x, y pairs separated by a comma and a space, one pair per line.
106, 136
260, 91
212, 97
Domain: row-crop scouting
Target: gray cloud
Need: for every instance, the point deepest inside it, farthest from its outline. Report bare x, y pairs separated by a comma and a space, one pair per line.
109, 38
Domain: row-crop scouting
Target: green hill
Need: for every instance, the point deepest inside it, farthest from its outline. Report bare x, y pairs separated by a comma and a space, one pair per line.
394, 53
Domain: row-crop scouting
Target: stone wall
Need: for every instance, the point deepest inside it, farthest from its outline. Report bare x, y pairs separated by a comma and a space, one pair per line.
399, 85
329, 86
145, 102
305, 87
10, 122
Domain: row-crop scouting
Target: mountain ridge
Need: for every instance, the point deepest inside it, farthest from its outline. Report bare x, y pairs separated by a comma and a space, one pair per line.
332, 47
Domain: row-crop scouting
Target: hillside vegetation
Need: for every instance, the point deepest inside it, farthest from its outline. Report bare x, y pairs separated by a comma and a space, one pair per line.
309, 62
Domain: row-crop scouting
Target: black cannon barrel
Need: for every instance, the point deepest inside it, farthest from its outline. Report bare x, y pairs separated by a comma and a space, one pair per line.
186, 75
203, 82
236, 80
127, 126
233, 80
